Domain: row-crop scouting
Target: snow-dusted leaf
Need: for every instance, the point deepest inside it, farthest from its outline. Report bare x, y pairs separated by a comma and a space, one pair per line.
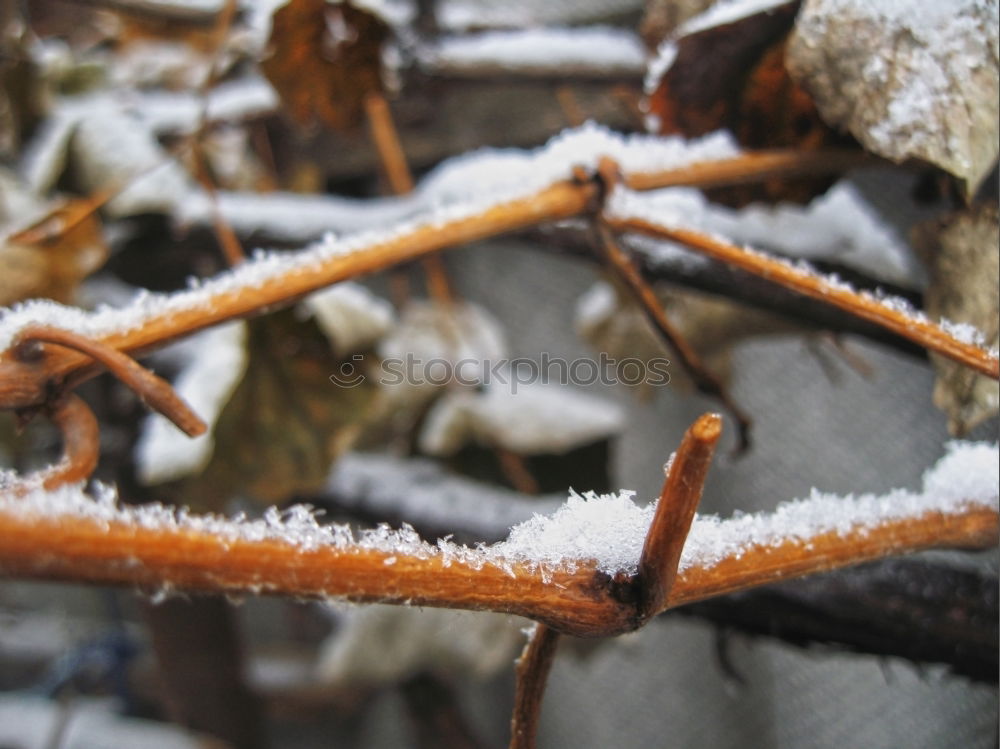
839, 226
106, 147
214, 363
963, 257
421, 492
527, 419
286, 421
383, 645
430, 343
908, 79
351, 317
590, 51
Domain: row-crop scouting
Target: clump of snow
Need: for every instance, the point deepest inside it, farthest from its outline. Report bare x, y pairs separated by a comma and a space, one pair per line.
603, 50
727, 11
215, 362
350, 316
659, 64
525, 418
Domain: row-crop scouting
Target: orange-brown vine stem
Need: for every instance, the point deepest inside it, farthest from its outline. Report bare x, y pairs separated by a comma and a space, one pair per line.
81, 442
397, 170
924, 333
675, 511
154, 390
532, 672
753, 166
23, 385
583, 602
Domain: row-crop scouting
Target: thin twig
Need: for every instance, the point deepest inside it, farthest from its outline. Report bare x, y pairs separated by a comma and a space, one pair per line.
81, 442
675, 511
153, 390
23, 386
397, 170
532, 672
753, 167
925, 333
705, 380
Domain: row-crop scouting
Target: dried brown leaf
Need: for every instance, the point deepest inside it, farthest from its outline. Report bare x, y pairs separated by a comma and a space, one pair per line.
907, 85
962, 253
324, 59
52, 256
286, 422
733, 76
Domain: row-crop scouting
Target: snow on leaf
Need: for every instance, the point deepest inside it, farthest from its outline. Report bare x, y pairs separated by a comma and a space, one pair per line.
963, 255
563, 51
527, 419
215, 362
379, 645
908, 79
350, 316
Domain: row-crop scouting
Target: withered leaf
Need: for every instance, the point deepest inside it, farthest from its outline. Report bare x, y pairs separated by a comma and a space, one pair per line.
907, 85
52, 256
733, 76
324, 60
962, 253
285, 423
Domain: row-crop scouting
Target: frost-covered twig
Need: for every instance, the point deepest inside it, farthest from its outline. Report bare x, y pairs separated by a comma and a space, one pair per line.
949, 339
537, 188
574, 570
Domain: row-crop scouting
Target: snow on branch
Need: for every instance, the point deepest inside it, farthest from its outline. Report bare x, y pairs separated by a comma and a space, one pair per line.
597, 51
474, 191
631, 211
549, 567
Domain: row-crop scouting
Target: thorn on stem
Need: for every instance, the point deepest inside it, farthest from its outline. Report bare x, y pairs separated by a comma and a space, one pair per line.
679, 499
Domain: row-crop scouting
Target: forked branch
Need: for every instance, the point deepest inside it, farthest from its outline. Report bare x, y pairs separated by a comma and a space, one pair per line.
921, 331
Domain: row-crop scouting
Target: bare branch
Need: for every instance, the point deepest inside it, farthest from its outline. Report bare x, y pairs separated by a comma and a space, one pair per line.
923, 332
532, 674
